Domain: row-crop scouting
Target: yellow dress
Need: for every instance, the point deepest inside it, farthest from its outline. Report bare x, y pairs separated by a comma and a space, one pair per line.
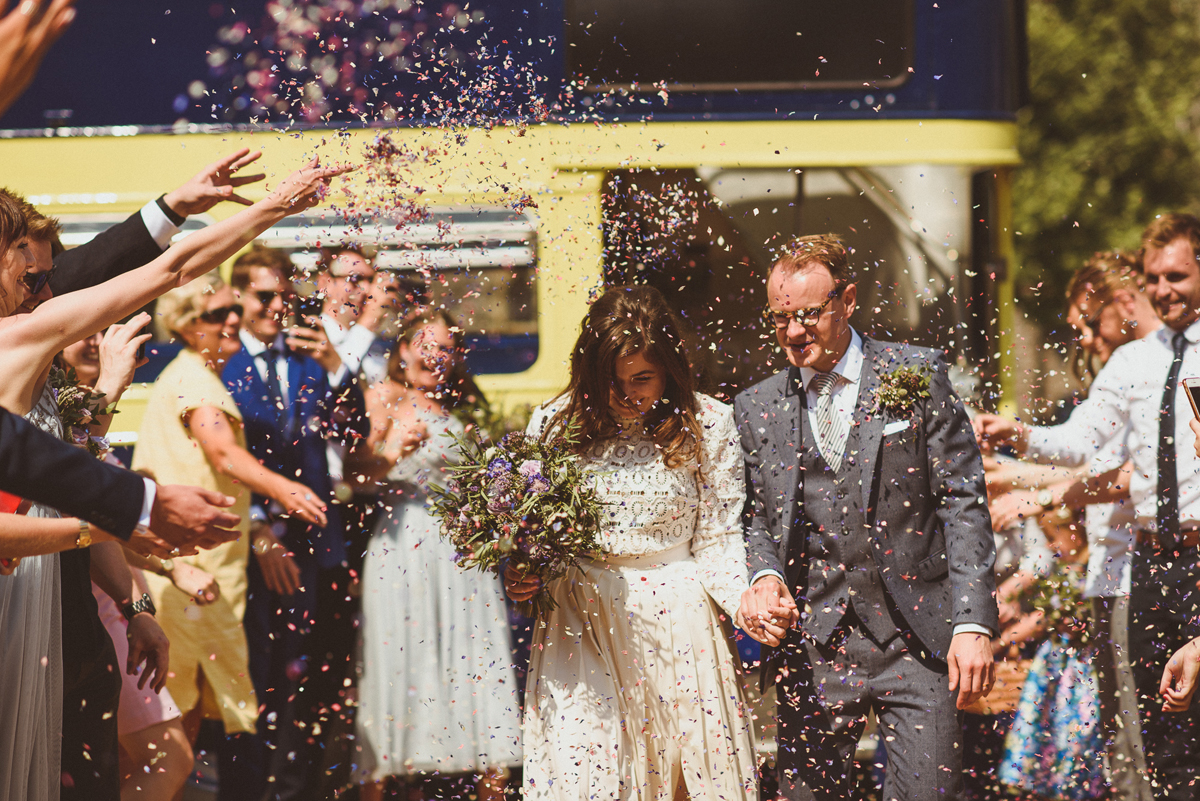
210, 664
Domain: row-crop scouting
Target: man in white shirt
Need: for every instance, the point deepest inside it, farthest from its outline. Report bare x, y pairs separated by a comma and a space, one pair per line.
356, 300
1140, 389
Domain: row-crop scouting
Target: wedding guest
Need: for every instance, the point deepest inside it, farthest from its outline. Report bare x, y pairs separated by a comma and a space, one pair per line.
192, 431
356, 300
1108, 308
148, 721
1138, 394
30, 600
437, 694
286, 405
633, 688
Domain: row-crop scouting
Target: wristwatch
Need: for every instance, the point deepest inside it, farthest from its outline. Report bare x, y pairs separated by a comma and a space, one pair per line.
1044, 498
84, 538
143, 604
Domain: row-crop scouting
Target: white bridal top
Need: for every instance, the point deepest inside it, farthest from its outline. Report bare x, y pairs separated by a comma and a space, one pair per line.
650, 508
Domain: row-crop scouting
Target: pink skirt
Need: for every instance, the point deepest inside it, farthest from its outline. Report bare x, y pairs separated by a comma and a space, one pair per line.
139, 709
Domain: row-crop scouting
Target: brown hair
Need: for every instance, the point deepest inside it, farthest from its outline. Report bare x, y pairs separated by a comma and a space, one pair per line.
461, 390
259, 256
14, 225
328, 255
1166, 229
627, 320
43, 228
1099, 280
824, 249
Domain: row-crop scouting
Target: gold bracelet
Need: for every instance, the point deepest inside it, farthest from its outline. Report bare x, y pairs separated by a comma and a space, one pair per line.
84, 538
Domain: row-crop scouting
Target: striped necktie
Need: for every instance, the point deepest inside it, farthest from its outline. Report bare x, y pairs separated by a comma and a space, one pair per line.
830, 435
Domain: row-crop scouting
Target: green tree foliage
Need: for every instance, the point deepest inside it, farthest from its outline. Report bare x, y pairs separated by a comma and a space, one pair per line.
1110, 136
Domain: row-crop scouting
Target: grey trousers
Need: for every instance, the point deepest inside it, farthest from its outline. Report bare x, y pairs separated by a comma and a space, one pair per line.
1127, 772
825, 693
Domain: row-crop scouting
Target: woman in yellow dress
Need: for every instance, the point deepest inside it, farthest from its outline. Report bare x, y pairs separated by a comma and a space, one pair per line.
192, 434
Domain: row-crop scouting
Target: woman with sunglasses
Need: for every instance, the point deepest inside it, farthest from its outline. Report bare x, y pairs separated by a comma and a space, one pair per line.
30, 598
192, 434
633, 687
438, 689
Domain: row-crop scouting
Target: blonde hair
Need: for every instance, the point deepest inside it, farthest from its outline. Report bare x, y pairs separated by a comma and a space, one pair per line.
184, 304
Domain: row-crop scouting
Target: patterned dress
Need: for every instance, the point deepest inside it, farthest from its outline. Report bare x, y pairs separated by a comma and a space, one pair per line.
633, 687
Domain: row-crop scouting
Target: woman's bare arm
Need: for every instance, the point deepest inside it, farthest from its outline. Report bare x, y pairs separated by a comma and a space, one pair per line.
211, 429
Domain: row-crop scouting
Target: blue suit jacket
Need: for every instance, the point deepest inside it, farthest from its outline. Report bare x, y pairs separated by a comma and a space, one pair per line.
298, 451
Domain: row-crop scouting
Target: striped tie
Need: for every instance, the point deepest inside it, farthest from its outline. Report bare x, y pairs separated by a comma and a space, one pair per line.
830, 435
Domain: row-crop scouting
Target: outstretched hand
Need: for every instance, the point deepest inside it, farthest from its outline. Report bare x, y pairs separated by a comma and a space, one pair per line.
148, 643
767, 611
213, 184
191, 517
307, 186
26, 33
993, 431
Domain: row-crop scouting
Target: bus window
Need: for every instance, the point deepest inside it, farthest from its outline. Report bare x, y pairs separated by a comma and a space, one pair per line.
759, 44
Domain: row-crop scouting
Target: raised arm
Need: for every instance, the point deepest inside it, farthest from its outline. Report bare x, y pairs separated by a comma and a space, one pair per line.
68, 318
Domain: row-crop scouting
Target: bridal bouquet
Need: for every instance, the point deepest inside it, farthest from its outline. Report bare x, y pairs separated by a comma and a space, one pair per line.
522, 502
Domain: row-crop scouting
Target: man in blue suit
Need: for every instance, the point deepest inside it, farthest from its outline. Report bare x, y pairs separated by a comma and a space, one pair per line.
286, 405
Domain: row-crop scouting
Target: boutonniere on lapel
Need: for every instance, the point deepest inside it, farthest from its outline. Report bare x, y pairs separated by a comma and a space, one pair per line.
901, 388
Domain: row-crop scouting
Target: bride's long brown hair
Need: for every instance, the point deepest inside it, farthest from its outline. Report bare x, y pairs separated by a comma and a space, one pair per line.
624, 321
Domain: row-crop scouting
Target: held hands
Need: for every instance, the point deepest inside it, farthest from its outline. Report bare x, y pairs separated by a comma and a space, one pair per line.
1179, 678
972, 669
519, 586
994, 431
148, 643
306, 187
767, 611
280, 573
213, 184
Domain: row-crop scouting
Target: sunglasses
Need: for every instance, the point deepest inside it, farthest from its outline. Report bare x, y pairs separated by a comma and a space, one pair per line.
220, 315
36, 282
266, 296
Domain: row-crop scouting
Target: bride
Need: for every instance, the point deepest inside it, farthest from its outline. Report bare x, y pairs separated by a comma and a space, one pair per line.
633, 688
30, 611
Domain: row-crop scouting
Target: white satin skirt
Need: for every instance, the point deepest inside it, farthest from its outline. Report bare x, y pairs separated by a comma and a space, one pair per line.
633, 688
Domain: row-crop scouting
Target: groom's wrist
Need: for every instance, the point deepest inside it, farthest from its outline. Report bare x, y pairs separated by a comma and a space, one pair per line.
767, 572
973, 628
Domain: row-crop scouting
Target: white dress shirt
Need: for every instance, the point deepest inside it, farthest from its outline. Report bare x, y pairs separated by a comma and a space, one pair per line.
161, 229
256, 348
845, 399
1110, 530
1128, 394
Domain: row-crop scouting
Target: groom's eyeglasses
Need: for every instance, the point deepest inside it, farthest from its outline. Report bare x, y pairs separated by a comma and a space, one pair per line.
36, 282
806, 317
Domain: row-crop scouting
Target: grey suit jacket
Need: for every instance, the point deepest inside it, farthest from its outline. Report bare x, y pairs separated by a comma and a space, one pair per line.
923, 494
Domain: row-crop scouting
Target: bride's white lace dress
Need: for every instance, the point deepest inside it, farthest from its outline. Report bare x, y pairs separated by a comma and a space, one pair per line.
31, 660
633, 688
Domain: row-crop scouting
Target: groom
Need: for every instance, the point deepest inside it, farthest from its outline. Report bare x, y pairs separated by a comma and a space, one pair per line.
870, 545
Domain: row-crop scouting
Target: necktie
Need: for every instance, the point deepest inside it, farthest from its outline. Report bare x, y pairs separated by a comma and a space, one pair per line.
829, 424
1168, 478
274, 396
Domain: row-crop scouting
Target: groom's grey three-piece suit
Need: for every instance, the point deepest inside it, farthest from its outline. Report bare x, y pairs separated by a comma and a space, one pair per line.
885, 556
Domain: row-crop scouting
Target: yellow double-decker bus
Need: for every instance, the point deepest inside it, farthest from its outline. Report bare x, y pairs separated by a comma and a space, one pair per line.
682, 149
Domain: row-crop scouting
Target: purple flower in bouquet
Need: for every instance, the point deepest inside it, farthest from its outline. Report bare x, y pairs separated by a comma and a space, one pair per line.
513, 441
498, 467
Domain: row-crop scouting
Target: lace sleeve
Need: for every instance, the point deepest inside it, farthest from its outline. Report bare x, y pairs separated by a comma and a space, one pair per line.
717, 544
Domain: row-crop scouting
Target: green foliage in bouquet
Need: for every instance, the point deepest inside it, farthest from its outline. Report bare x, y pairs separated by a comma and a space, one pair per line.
1059, 597
523, 502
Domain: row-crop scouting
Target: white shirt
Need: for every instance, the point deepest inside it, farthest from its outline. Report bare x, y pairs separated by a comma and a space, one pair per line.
1128, 393
161, 229
352, 345
845, 399
255, 347
1110, 530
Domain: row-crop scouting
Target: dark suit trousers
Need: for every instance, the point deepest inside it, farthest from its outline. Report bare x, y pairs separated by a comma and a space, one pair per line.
91, 690
825, 694
277, 633
1164, 603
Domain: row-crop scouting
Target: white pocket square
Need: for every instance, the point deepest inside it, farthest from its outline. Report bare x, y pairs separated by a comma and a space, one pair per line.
896, 428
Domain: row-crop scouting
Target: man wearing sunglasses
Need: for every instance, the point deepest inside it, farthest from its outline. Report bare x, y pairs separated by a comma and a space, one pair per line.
870, 545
